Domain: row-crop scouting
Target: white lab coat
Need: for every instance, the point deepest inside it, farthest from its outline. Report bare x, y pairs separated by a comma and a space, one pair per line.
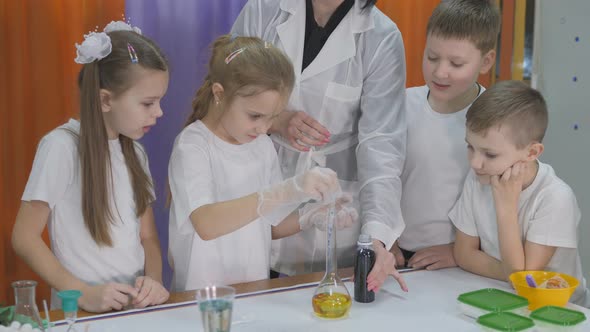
356, 88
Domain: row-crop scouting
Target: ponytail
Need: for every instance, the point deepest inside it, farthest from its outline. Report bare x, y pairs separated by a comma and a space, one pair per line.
201, 102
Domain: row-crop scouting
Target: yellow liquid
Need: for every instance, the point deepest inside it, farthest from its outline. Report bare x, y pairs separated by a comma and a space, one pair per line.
335, 305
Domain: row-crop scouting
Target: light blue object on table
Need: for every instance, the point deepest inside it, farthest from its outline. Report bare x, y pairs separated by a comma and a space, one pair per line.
69, 305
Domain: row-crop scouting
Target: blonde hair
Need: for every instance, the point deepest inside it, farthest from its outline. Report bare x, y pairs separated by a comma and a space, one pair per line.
475, 20
114, 73
257, 67
511, 103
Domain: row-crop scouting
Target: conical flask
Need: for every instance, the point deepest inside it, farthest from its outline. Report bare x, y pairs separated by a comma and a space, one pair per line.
25, 308
331, 298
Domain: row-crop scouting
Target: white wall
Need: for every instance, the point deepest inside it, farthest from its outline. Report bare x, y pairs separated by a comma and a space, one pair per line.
558, 58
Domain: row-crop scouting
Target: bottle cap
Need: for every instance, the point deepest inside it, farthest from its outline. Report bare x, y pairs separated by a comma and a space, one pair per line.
364, 239
69, 300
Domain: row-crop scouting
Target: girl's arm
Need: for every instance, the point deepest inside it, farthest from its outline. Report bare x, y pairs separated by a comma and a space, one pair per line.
29, 245
470, 258
287, 227
151, 246
214, 220
150, 288
273, 204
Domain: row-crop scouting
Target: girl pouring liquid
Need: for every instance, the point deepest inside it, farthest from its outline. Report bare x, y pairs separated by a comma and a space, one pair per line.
228, 196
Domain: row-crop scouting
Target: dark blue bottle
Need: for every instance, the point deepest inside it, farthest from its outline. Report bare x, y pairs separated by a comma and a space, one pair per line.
364, 261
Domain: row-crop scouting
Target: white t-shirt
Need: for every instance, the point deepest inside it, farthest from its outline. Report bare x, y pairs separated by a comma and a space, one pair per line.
204, 169
548, 214
434, 171
55, 179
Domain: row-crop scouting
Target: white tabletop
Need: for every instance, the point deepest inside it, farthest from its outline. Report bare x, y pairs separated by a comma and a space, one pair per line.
430, 305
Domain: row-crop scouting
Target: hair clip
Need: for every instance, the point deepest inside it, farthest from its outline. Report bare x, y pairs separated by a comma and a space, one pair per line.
233, 54
132, 53
267, 44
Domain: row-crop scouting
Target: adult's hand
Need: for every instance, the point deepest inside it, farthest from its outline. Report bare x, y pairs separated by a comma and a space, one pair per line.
300, 130
384, 266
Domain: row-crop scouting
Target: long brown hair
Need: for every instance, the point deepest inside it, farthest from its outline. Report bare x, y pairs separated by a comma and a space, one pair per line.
115, 74
257, 68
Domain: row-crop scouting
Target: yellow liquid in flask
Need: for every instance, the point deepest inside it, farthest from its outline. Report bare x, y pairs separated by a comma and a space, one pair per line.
335, 305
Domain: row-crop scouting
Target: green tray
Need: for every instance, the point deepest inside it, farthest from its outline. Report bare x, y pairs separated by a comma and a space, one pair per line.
505, 321
558, 316
494, 300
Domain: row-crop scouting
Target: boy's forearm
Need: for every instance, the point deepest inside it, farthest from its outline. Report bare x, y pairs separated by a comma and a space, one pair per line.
478, 262
510, 241
153, 259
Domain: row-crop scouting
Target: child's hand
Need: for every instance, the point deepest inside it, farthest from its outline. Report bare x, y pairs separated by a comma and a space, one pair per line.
106, 297
507, 187
279, 200
319, 183
150, 291
433, 258
316, 214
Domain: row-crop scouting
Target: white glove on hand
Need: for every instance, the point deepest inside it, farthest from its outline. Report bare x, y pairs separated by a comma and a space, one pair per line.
277, 202
316, 214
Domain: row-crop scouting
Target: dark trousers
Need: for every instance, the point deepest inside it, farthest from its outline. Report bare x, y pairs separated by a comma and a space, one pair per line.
407, 255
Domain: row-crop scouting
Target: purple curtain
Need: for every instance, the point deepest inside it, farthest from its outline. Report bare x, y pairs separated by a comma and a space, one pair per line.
183, 29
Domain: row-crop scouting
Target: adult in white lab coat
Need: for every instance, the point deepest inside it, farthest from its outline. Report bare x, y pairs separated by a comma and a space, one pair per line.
347, 106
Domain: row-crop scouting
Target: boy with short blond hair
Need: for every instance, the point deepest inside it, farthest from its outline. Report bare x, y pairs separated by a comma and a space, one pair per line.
514, 213
460, 45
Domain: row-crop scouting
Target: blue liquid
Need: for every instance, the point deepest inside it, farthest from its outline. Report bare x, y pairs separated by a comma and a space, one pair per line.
216, 315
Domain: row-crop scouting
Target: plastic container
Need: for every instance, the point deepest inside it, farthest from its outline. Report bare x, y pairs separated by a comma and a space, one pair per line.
558, 319
505, 321
484, 301
540, 297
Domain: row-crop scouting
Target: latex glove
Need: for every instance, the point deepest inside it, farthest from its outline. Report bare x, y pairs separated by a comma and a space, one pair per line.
275, 203
316, 214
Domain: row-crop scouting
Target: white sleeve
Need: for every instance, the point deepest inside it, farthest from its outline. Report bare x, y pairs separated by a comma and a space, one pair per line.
461, 214
275, 169
249, 22
53, 168
382, 141
191, 182
555, 222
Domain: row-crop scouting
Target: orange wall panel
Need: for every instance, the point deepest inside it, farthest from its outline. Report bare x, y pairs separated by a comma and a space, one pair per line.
411, 18
38, 92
